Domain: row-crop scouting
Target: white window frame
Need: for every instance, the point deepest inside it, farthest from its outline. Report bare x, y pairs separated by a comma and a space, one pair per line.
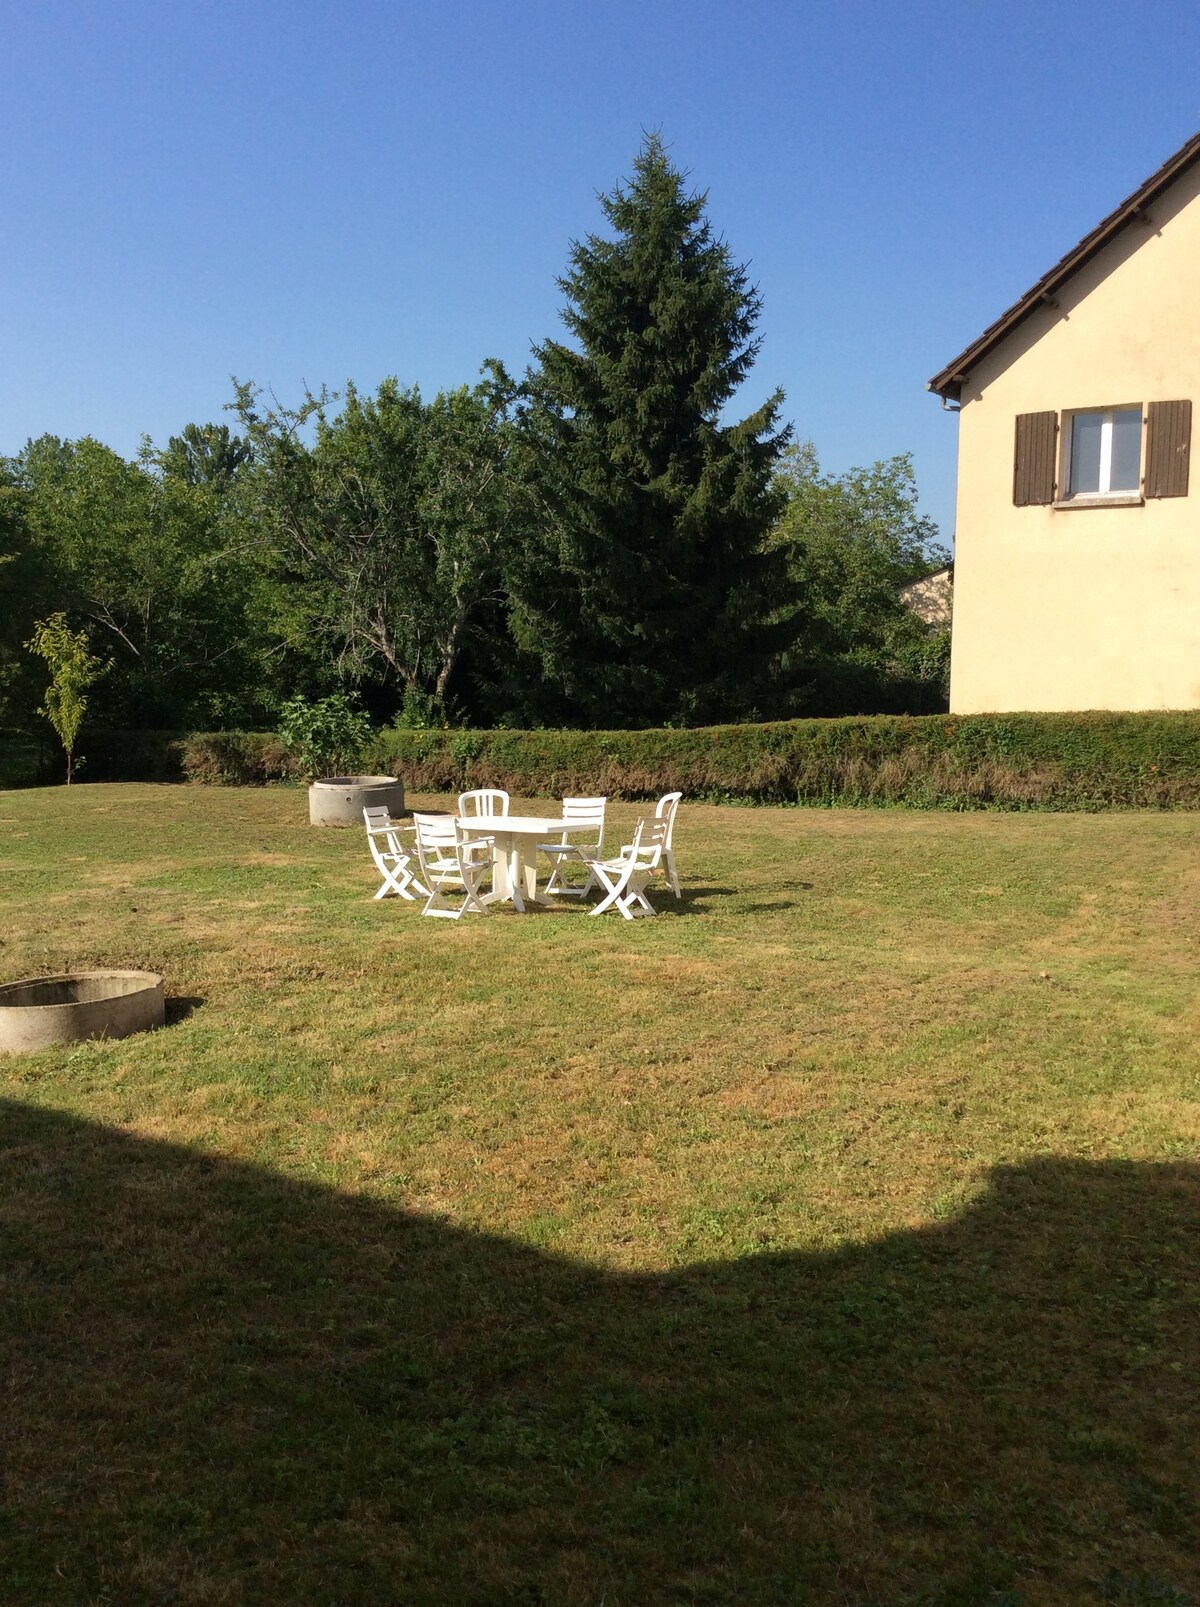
1104, 491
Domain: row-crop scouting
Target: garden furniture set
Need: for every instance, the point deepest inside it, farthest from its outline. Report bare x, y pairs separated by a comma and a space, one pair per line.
457, 855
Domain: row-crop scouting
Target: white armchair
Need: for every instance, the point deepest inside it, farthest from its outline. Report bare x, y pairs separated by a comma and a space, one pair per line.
626, 877
580, 815
392, 857
451, 861
666, 809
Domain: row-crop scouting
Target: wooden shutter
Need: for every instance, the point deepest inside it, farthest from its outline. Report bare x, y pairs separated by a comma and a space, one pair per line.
1035, 459
1168, 444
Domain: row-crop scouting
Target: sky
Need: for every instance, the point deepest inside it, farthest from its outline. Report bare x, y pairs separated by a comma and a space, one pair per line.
300, 194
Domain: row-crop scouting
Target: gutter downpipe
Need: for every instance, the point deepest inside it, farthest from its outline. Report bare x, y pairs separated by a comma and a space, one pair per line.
947, 406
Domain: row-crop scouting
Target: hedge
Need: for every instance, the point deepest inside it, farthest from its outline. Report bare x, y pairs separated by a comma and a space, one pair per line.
1017, 761
1008, 761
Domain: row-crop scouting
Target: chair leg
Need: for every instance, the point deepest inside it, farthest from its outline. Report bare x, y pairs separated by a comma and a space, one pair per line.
634, 903
555, 883
613, 890
398, 880
437, 904
473, 900
407, 880
672, 874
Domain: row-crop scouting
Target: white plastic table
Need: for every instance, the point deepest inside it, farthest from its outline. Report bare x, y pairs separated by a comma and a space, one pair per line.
514, 857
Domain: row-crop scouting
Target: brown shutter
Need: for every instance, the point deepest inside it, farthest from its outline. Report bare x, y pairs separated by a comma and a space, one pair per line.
1035, 459
1168, 443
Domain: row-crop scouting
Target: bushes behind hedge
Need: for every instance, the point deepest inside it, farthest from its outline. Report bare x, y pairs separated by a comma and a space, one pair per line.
24, 759
1010, 761
220, 758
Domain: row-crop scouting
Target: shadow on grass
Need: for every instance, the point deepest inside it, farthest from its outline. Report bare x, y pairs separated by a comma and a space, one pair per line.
226, 1387
180, 1007
695, 900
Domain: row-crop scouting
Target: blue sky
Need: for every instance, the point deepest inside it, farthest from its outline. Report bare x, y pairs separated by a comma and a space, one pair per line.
303, 193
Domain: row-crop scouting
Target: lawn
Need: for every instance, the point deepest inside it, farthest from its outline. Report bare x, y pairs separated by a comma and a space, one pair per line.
832, 1239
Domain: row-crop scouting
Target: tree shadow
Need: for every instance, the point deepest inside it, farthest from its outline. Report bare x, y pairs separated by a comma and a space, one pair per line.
227, 1387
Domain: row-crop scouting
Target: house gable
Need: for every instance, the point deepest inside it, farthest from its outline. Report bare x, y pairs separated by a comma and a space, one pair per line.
1086, 601
1133, 214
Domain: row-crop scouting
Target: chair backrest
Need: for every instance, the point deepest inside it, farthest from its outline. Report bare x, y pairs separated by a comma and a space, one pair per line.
437, 837
650, 840
483, 801
666, 809
585, 814
379, 823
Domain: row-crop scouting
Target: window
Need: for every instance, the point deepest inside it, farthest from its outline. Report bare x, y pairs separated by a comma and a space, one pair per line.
1095, 456
1104, 453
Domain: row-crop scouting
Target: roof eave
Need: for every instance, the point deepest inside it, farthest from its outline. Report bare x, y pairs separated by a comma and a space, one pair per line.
949, 381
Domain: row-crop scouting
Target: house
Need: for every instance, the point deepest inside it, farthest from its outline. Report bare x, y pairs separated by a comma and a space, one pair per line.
1077, 548
932, 597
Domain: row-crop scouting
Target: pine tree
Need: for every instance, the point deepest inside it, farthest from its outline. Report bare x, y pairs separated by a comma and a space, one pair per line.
650, 595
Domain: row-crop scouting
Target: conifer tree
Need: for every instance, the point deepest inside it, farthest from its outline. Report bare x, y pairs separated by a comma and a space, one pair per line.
649, 594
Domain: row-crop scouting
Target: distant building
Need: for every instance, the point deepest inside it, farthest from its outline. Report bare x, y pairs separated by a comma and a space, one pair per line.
1077, 547
932, 597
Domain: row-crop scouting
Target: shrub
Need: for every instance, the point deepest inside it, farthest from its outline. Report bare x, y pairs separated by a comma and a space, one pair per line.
324, 738
132, 756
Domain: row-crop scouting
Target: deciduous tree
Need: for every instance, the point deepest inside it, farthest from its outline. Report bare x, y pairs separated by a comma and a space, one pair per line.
391, 515
204, 454
73, 670
160, 568
853, 542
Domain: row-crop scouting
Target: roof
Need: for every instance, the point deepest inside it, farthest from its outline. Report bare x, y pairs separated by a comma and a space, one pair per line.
949, 382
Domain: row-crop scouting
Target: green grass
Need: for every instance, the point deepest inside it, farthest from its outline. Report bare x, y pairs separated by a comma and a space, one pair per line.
832, 1239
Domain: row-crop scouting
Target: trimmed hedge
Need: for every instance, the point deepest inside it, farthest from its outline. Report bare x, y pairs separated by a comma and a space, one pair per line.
1006, 761
1012, 761
235, 758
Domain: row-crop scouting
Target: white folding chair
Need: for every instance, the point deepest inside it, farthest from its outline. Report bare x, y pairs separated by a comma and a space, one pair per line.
392, 858
626, 877
666, 809
483, 801
579, 815
451, 861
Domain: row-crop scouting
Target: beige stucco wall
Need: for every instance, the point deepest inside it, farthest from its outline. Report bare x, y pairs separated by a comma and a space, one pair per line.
1084, 608
931, 599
